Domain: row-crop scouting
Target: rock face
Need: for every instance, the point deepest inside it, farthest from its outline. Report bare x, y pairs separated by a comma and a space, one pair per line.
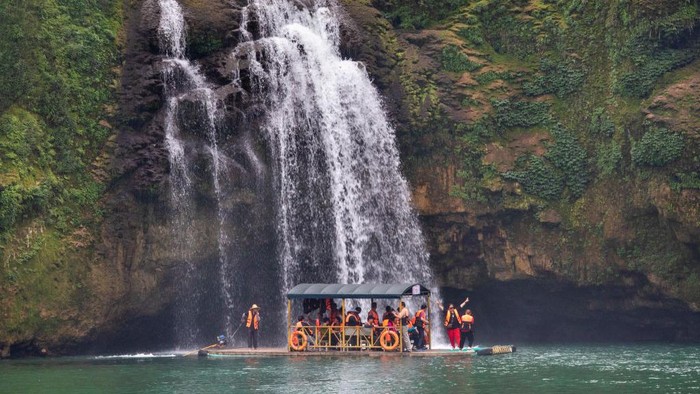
144, 267
490, 232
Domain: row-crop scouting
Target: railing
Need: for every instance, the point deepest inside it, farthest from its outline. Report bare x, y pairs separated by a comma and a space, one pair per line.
345, 338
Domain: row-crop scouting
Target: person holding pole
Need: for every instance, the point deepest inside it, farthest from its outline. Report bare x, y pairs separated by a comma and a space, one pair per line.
253, 325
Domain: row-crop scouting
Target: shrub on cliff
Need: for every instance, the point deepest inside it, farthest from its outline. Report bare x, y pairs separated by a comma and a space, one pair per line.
656, 148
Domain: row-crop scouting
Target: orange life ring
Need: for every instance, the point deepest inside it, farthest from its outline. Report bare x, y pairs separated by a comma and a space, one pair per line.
389, 336
298, 341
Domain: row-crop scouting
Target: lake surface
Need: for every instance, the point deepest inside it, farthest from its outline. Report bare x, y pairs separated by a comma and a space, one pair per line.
533, 369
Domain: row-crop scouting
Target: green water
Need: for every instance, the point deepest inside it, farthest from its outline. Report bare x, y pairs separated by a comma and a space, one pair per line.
533, 369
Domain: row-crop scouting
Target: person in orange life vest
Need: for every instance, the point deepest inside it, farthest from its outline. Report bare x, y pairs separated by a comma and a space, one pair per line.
373, 313
388, 317
372, 323
421, 322
353, 317
334, 312
466, 329
453, 322
405, 316
253, 324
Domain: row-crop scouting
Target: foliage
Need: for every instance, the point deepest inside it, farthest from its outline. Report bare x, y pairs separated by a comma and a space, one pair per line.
560, 78
563, 165
601, 124
690, 180
490, 76
454, 60
650, 67
660, 45
58, 75
608, 158
656, 148
472, 34
570, 158
538, 177
520, 113
417, 14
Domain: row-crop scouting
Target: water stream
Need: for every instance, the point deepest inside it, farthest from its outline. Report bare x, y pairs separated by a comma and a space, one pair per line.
343, 207
184, 83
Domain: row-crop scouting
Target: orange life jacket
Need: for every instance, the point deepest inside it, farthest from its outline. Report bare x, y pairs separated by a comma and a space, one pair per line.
447, 317
355, 317
468, 319
253, 320
374, 314
418, 319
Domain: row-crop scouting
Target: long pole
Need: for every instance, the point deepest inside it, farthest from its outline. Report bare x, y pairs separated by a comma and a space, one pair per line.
430, 332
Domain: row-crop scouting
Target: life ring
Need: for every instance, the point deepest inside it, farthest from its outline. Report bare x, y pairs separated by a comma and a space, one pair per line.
389, 336
298, 341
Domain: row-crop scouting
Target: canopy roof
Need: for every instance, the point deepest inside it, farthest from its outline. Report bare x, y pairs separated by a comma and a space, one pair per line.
367, 290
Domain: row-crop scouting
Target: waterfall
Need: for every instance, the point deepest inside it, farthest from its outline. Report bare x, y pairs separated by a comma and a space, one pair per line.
343, 206
184, 84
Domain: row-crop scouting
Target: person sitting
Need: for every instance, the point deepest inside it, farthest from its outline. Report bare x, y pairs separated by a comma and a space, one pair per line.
336, 323
353, 318
370, 323
388, 318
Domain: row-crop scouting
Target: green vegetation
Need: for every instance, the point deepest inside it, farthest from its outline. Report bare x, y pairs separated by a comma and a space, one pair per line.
520, 113
656, 148
454, 60
609, 158
539, 177
58, 77
581, 72
564, 165
417, 14
561, 79
601, 125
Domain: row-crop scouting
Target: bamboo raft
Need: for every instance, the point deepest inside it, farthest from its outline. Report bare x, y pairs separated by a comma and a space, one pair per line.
283, 352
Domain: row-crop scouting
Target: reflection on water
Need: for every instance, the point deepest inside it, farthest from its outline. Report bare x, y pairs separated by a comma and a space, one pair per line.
538, 369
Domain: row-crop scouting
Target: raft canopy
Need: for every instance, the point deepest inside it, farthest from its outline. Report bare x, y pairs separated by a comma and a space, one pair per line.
366, 290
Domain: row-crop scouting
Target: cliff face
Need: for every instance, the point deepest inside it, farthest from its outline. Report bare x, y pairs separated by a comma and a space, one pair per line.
549, 142
552, 149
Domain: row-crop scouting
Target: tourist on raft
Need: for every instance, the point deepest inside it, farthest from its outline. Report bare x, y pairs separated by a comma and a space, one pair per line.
420, 323
373, 313
467, 330
405, 316
453, 322
252, 323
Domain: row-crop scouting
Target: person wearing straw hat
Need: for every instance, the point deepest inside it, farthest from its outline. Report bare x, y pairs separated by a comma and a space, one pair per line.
253, 324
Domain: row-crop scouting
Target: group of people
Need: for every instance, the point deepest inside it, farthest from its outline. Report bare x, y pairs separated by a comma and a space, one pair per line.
459, 327
412, 326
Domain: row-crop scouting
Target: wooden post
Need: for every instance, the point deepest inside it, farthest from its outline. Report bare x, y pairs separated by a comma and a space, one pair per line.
342, 325
289, 323
400, 327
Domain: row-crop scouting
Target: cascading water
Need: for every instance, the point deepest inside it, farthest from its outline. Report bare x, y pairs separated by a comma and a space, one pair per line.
343, 207
184, 84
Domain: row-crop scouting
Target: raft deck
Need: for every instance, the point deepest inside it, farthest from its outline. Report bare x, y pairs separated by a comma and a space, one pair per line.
283, 352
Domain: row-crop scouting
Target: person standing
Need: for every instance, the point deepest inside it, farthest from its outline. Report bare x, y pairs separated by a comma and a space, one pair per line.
253, 324
467, 330
405, 316
373, 313
421, 322
453, 323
